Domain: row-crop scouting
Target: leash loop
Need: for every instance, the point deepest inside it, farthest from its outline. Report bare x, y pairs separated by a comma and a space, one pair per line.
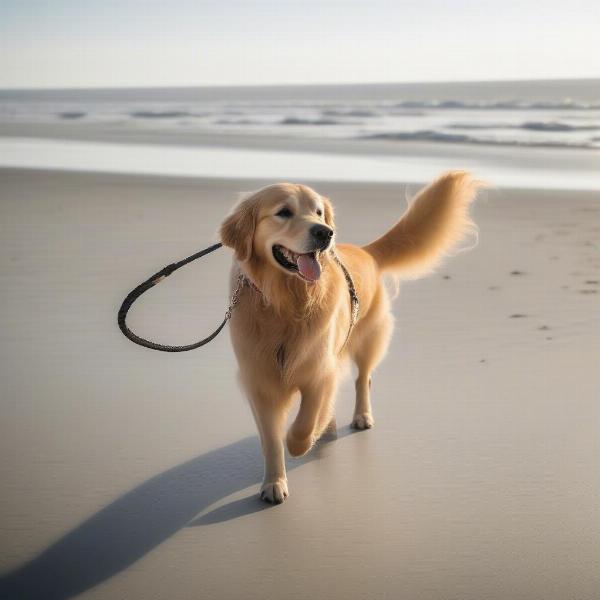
156, 279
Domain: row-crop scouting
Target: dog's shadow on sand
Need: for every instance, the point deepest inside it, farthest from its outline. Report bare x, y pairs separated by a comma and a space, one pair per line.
128, 528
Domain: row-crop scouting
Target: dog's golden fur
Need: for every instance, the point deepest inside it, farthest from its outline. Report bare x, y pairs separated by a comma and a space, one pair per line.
289, 333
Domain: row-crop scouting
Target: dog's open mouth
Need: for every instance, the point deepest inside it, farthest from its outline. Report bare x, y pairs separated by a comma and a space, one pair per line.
305, 265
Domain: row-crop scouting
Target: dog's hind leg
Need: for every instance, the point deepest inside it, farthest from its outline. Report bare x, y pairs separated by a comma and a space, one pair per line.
367, 353
326, 428
330, 429
314, 415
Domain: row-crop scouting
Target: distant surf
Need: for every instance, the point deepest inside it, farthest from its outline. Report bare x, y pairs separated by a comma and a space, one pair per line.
537, 114
531, 125
517, 104
456, 138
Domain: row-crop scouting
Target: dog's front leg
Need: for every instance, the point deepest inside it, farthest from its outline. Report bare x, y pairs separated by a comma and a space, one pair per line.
270, 419
314, 415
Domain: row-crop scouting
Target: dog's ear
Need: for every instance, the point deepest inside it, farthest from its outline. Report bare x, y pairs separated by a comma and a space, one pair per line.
237, 231
328, 212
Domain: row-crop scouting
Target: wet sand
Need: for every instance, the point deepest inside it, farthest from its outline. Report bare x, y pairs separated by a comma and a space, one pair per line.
128, 473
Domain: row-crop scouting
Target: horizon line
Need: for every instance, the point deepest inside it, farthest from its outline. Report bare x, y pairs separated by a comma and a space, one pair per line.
291, 85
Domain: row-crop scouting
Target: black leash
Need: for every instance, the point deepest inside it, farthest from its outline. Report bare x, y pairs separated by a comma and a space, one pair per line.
241, 281
150, 283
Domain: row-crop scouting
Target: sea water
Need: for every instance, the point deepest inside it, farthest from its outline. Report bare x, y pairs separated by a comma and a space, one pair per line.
539, 133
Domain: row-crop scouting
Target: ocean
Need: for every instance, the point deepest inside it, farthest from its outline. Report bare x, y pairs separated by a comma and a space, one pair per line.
516, 126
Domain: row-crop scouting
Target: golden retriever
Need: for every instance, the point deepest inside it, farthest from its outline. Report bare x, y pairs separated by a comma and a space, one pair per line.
290, 327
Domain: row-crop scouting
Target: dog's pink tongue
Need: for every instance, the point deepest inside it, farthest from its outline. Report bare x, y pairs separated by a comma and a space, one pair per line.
309, 267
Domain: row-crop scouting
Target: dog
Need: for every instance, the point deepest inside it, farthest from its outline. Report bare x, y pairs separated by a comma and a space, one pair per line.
291, 324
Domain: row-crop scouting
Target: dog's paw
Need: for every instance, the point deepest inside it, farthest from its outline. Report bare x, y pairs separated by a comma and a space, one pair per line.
362, 421
274, 492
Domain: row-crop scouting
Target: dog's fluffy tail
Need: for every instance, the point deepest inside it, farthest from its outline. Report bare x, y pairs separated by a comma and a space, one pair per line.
435, 222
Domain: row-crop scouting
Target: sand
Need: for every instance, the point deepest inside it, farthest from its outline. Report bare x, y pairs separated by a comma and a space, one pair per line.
128, 473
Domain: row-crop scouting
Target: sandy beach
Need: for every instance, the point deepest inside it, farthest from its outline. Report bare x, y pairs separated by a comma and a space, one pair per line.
128, 473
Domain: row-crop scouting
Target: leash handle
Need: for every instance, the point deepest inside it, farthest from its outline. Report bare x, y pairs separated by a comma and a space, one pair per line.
150, 283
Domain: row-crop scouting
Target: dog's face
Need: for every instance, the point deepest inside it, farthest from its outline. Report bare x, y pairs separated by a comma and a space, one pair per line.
284, 226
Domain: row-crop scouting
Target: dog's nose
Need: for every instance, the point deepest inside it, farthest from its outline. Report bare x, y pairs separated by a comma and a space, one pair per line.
322, 235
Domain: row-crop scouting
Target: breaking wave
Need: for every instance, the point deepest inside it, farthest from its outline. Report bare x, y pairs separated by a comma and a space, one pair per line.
457, 138
554, 126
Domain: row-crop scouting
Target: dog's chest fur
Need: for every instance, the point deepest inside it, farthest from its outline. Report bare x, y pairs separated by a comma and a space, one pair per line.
281, 346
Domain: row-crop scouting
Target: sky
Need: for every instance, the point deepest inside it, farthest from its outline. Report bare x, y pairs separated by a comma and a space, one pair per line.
91, 43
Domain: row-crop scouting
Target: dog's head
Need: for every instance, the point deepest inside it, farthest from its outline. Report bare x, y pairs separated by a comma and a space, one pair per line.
288, 227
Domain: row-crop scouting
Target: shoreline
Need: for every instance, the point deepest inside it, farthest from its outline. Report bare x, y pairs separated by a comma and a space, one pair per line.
309, 160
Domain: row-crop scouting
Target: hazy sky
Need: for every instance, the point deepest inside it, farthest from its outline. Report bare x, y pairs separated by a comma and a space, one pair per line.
57, 43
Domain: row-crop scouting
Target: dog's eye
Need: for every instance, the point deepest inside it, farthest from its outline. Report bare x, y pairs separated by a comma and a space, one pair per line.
319, 212
285, 212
